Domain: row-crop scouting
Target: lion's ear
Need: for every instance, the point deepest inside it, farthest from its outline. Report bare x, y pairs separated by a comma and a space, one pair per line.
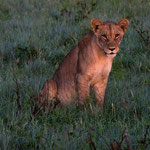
96, 24
123, 23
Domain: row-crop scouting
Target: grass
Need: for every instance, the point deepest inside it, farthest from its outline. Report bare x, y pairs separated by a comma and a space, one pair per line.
35, 37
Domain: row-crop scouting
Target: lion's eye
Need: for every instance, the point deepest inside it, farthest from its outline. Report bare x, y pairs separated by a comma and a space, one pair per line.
117, 36
104, 37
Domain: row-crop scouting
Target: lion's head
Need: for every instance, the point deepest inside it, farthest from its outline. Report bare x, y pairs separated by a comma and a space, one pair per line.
109, 34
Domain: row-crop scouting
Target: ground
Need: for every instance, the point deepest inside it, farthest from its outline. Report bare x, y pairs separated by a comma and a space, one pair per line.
35, 36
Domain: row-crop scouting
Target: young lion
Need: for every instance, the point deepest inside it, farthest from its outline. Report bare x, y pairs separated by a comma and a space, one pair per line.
87, 65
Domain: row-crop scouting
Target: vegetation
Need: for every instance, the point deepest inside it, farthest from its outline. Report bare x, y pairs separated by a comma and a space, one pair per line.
35, 36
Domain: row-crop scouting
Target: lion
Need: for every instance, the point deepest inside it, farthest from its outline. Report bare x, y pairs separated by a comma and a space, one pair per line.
86, 66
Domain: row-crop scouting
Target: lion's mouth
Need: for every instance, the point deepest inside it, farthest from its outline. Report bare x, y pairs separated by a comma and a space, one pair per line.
109, 53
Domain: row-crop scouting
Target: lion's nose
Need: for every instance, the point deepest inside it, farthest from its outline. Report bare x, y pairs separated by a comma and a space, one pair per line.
112, 48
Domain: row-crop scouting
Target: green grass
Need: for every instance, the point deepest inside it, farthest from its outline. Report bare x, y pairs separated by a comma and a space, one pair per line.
35, 36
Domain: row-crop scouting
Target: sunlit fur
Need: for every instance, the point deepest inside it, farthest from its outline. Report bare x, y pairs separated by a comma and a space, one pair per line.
87, 65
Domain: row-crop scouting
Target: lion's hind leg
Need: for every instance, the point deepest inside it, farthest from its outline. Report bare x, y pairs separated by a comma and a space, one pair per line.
48, 92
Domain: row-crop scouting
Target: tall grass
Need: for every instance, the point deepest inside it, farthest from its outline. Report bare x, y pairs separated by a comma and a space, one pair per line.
35, 36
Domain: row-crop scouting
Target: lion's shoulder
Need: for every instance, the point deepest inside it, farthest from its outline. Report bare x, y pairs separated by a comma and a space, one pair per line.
86, 40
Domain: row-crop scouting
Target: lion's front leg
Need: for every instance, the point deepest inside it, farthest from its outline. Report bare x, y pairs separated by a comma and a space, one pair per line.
82, 88
99, 91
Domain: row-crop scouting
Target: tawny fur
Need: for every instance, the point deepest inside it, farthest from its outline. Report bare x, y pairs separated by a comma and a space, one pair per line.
87, 65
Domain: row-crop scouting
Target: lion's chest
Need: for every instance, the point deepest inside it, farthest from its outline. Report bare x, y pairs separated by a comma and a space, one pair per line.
100, 72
